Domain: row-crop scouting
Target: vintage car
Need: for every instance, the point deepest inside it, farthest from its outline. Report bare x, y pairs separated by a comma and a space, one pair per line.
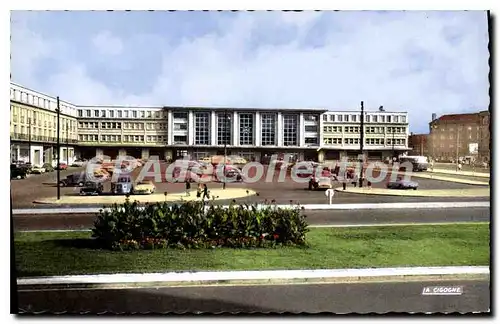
144, 188
78, 163
37, 170
91, 189
320, 183
123, 185
17, 172
75, 179
61, 166
402, 184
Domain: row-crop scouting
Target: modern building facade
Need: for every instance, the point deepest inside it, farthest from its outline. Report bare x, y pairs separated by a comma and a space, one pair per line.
460, 135
173, 132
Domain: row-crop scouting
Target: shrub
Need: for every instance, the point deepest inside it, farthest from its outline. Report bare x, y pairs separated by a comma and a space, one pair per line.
48, 167
195, 225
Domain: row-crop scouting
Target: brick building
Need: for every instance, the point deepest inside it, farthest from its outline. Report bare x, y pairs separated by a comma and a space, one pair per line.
419, 144
460, 135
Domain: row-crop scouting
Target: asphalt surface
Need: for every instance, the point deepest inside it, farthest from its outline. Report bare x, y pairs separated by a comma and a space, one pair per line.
309, 298
37, 187
314, 217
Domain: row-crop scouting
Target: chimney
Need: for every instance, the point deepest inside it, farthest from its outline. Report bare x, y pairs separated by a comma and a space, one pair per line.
434, 116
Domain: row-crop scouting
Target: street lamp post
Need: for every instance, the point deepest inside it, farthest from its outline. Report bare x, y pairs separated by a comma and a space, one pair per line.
29, 140
226, 119
67, 143
361, 142
58, 110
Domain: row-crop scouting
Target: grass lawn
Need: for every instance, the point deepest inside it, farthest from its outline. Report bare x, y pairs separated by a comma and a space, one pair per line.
65, 253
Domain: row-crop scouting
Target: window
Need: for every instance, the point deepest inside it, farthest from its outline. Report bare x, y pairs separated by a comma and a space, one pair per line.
224, 128
325, 117
134, 113
332, 118
149, 114
88, 113
389, 119
103, 113
246, 128
80, 113
403, 119
157, 114
309, 117
119, 113
202, 128
268, 132
375, 117
367, 118
346, 118
290, 125
354, 118
382, 119
96, 113
311, 128
180, 139
396, 119
143, 113
339, 118
180, 126
112, 113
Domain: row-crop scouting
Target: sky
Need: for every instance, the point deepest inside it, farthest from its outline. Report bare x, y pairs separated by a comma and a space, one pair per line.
414, 61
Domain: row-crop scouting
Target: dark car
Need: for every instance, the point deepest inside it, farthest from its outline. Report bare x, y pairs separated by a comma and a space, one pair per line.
402, 184
75, 179
17, 172
91, 189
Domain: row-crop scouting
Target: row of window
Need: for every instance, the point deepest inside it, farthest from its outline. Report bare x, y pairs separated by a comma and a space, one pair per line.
368, 141
368, 130
126, 138
120, 113
34, 100
35, 131
26, 116
118, 125
352, 118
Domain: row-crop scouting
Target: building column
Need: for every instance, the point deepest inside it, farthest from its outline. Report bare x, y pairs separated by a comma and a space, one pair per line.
279, 130
145, 154
191, 128
321, 137
170, 128
213, 128
301, 132
257, 129
321, 156
236, 132
18, 151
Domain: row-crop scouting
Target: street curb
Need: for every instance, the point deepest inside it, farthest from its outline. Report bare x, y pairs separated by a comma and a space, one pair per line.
401, 193
404, 205
450, 179
103, 281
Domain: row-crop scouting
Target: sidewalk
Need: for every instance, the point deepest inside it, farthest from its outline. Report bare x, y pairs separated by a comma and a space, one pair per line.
459, 193
186, 278
478, 173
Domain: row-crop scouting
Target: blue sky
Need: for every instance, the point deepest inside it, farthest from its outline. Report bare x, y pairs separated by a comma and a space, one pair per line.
420, 62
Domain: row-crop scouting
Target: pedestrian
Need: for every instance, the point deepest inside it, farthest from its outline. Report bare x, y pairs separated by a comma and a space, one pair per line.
205, 192
188, 187
199, 190
459, 166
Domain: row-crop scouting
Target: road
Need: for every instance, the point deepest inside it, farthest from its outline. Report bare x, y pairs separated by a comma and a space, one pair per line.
309, 298
314, 217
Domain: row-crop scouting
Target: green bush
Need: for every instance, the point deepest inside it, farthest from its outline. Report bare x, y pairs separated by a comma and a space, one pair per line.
195, 225
48, 167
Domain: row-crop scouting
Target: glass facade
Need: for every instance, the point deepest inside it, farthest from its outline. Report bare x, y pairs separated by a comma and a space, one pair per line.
290, 127
224, 128
202, 128
246, 128
268, 132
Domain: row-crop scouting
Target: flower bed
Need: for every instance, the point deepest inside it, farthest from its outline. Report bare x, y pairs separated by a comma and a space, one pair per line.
195, 225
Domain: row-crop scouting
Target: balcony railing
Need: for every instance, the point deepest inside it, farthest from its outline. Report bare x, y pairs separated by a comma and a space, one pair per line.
40, 138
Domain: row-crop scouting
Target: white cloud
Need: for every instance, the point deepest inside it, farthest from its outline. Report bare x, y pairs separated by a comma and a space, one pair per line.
107, 44
370, 59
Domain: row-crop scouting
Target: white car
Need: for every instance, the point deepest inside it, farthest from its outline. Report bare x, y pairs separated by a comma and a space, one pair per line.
37, 170
78, 163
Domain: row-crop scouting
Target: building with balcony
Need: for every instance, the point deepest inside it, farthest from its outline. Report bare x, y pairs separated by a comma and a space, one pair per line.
33, 127
172, 132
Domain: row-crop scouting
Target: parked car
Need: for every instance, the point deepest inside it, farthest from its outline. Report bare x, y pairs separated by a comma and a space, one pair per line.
402, 184
48, 167
320, 183
17, 172
78, 163
123, 185
62, 166
37, 170
144, 187
75, 179
91, 189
